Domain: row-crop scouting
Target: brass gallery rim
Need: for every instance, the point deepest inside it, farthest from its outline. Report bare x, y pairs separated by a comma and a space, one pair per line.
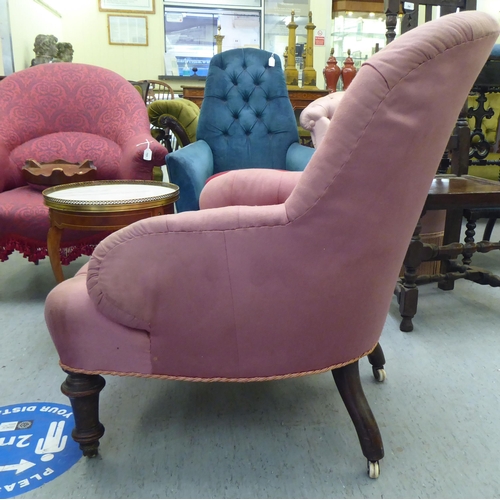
110, 195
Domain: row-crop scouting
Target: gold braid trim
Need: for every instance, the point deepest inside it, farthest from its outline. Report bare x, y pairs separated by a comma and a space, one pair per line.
217, 379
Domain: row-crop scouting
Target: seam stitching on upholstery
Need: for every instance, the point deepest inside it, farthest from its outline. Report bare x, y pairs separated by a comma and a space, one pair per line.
426, 61
279, 190
232, 301
232, 191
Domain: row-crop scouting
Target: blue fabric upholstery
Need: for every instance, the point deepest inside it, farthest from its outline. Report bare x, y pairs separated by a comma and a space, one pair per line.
246, 121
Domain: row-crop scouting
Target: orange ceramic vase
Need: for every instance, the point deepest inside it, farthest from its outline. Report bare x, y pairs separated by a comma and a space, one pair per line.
348, 71
331, 72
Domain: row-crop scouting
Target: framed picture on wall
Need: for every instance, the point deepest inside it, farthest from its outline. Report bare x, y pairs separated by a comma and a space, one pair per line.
138, 6
128, 30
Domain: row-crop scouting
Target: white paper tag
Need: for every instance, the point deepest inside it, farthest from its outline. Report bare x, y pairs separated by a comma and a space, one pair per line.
148, 154
272, 61
408, 6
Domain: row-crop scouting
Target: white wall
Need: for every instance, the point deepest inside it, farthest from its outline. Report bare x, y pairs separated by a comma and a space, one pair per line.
490, 6
85, 27
27, 20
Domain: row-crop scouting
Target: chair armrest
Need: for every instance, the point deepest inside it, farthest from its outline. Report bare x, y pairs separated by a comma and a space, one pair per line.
169, 123
298, 156
189, 168
317, 115
162, 270
132, 162
177, 114
256, 186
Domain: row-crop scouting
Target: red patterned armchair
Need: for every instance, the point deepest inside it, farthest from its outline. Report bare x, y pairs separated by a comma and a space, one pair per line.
73, 112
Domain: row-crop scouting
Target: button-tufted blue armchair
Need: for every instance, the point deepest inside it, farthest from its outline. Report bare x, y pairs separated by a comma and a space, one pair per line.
246, 121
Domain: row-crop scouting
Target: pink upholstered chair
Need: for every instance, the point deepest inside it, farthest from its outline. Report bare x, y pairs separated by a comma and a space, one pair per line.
73, 112
292, 288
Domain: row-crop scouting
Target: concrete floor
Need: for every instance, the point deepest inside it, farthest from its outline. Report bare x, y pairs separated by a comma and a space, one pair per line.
438, 412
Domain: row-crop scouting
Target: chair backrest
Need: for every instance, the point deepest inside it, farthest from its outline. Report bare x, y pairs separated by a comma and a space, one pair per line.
411, 9
64, 97
142, 87
388, 132
246, 116
483, 116
158, 90
66, 110
455, 159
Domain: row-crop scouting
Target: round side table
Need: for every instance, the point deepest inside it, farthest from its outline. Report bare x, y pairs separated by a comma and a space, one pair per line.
102, 206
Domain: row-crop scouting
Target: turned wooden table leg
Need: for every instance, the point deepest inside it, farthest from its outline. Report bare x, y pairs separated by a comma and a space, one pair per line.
406, 289
470, 234
452, 233
83, 391
53, 247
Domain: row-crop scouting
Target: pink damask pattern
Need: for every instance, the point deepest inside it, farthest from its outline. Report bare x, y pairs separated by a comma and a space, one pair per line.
67, 111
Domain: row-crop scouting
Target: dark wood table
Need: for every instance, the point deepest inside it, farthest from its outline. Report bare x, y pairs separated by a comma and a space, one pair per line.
299, 98
455, 195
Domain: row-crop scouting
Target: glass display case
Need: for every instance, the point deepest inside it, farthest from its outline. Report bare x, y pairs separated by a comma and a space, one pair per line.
363, 33
190, 36
190, 31
276, 21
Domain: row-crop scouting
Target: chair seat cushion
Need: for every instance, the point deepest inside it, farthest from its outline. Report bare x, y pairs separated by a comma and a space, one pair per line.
24, 223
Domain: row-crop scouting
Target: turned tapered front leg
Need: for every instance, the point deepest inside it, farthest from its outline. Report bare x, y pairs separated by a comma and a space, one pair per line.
349, 386
83, 391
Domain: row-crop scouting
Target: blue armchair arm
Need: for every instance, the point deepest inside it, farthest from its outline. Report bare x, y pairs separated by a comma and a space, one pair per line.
298, 156
189, 168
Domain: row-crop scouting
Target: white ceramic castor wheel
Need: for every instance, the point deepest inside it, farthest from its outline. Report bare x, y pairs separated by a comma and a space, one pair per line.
373, 469
379, 374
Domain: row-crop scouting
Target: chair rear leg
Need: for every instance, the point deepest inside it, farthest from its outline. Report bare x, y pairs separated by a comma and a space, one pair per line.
377, 359
83, 391
489, 228
349, 386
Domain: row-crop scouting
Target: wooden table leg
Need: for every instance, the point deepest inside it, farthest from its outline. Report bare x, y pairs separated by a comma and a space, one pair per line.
53, 246
452, 234
406, 290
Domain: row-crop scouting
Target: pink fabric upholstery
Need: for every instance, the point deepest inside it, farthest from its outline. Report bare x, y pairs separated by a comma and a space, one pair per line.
265, 291
316, 118
73, 112
317, 115
270, 187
